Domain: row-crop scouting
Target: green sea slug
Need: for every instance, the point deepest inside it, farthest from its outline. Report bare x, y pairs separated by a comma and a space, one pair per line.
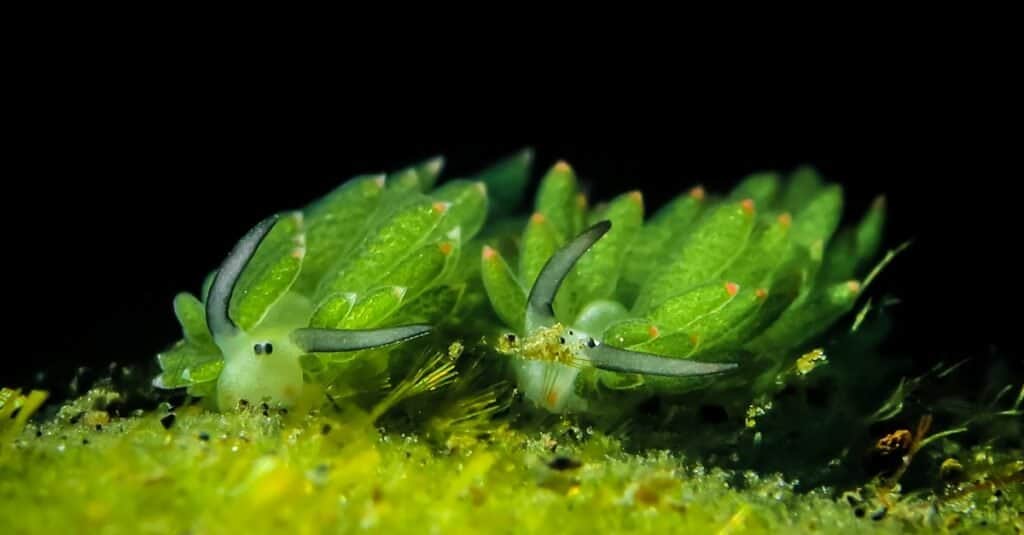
304, 299
707, 285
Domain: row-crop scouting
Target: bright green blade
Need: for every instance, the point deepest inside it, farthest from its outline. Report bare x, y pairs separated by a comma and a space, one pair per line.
597, 272
334, 225
405, 230
557, 200
540, 241
467, 208
818, 219
506, 182
716, 242
658, 240
763, 188
192, 317
271, 271
507, 296
804, 184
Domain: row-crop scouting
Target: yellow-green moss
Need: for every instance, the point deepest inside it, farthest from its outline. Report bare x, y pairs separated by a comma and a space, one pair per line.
261, 471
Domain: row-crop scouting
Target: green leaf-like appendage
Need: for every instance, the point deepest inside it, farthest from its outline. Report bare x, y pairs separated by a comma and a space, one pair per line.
507, 295
597, 272
715, 243
381, 250
334, 224
467, 207
506, 182
192, 316
754, 275
558, 201
270, 273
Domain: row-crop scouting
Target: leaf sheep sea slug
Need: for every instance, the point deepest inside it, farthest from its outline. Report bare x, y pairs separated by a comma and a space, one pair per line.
601, 302
307, 294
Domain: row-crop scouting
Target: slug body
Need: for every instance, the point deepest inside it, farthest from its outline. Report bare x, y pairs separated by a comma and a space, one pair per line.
549, 358
303, 294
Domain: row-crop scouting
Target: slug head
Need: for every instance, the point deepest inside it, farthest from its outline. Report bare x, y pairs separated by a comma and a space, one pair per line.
263, 365
552, 354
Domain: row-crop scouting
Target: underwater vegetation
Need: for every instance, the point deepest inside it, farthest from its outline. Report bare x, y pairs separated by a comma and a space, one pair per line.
409, 353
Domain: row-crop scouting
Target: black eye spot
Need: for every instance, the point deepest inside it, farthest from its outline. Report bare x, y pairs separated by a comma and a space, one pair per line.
591, 343
258, 349
561, 339
510, 337
571, 333
268, 348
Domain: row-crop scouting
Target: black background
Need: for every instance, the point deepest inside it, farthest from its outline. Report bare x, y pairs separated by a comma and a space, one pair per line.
113, 208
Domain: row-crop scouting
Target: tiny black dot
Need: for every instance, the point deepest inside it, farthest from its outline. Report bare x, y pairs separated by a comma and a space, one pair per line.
99, 427
998, 493
39, 433
258, 349
167, 421
879, 514
510, 337
268, 348
561, 339
243, 403
591, 343
325, 429
564, 463
859, 512
204, 436
85, 441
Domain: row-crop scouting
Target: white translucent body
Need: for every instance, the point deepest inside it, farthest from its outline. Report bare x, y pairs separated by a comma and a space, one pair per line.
552, 385
274, 378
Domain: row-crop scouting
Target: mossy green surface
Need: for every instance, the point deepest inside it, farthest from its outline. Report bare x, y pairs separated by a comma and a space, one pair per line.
265, 471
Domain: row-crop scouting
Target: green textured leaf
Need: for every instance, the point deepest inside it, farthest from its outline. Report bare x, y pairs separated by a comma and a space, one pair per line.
818, 219
506, 182
762, 188
869, 232
716, 242
467, 208
507, 296
332, 310
432, 306
715, 330
629, 333
422, 268
203, 372
807, 319
373, 308
663, 234
334, 225
557, 200
429, 171
540, 241
768, 248
270, 273
203, 390
689, 309
382, 249
678, 344
804, 184
597, 272
784, 290
853, 248
192, 316
178, 359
